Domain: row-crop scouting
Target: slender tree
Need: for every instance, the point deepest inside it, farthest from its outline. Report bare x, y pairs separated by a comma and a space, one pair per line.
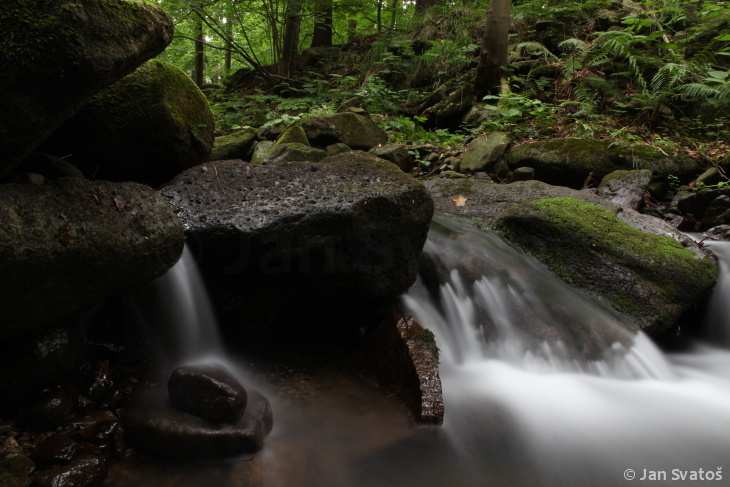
494, 48
199, 34
379, 15
228, 39
393, 13
322, 35
290, 45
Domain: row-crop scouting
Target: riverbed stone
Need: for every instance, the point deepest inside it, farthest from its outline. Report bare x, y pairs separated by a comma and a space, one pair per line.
348, 230
293, 152
293, 135
398, 154
207, 391
148, 127
88, 470
158, 430
102, 40
484, 151
591, 244
236, 145
409, 363
572, 162
71, 243
626, 188
353, 129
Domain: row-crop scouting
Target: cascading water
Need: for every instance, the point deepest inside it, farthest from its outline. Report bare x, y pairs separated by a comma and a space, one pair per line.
580, 398
718, 313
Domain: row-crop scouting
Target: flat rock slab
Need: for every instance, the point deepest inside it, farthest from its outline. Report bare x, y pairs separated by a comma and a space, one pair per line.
153, 427
71, 243
351, 226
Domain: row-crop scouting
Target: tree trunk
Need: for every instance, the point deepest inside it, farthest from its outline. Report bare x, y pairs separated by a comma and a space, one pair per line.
229, 40
199, 64
290, 47
351, 30
322, 36
494, 51
423, 5
393, 13
380, 16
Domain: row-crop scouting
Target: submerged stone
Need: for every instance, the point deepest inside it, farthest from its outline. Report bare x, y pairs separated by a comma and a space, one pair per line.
55, 55
156, 429
208, 392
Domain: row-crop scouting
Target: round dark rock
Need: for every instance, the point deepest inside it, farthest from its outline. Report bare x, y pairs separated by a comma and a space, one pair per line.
156, 429
207, 391
55, 408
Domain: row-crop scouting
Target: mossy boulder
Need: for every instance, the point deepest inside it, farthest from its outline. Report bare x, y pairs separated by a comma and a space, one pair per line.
147, 127
626, 188
621, 257
261, 151
304, 239
236, 145
291, 152
484, 151
55, 55
571, 162
651, 278
72, 243
293, 135
356, 130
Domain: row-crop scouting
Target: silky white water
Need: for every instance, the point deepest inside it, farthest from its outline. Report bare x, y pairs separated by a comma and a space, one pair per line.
582, 398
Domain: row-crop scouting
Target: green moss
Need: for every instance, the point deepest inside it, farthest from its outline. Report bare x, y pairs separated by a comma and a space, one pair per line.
650, 277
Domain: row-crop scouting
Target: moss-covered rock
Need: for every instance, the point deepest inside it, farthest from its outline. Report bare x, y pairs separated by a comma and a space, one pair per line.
623, 258
147, 127
293, 135
262, 151
236, 145
570, 162
291, 152
626, 188
71, 243
484, 151
650, 278
356, 130
55, 55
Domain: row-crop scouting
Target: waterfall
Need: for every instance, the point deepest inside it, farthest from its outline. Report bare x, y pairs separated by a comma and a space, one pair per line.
718, 312
187, 322
574, 394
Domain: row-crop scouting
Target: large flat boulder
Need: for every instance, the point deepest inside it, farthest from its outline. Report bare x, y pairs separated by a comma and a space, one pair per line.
55, 55
71, 243
622, 258
572, 162
148, 127
346, 230
353, 129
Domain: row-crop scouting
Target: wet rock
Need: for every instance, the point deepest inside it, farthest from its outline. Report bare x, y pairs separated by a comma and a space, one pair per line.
158, 430
717, 213
29, 365
708, 207
102, 39
98, 427
88, 470
408, 360
626, 188
523, 174
57, 448
71, 243
721, 232
350, 227
236, 145
15, 469
209, 392
398, 154
570, 162
355, 130
147, 127
293, 135
293, 152
339, 148
484, 151
54, 408
650, 278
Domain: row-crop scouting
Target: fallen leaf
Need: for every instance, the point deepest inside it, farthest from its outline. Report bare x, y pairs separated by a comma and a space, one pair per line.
459, 200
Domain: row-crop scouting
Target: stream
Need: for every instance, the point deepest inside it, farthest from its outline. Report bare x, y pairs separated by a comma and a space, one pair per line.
542, 386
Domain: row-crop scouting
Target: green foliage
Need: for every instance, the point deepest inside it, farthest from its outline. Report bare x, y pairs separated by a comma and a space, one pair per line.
410, 130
